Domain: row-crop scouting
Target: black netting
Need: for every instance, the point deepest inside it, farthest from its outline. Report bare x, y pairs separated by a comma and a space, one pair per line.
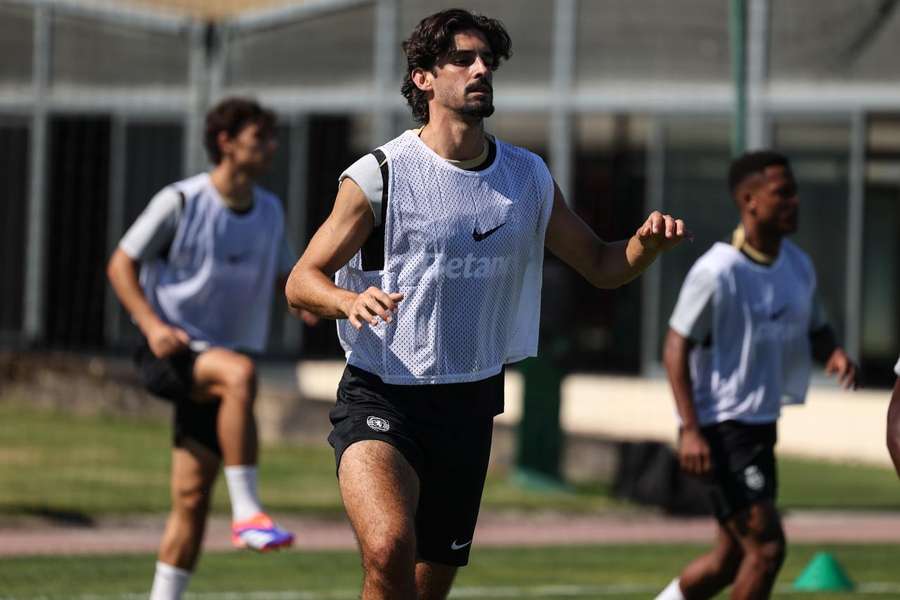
331, 49
93, 52
652, 40
16, 44
834, 40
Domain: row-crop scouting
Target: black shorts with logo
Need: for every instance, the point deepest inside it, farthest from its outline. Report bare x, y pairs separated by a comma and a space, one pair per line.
444, 432
744, 469
172, 378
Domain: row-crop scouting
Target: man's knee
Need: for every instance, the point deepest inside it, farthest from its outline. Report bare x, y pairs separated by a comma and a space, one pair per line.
240, 378
191, 500
726, 562
767, 557
390, 556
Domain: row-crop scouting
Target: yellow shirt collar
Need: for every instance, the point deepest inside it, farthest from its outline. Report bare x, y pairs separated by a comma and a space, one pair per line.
739, 241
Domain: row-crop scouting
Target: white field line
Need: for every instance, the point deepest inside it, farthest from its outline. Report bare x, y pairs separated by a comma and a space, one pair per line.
540, 591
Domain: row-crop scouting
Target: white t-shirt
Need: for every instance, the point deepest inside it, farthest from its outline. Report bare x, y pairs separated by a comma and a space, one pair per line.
897, 367
466, 249
750, 324
207, 269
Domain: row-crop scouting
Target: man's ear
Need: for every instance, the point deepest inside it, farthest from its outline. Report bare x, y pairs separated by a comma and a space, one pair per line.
745, 194
422, 78
223, 140
747, 198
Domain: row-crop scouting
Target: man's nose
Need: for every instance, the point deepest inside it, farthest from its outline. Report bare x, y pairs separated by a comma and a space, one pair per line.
480, 67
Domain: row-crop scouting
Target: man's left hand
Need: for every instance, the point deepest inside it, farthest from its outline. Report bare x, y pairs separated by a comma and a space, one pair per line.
662, 232
840, 364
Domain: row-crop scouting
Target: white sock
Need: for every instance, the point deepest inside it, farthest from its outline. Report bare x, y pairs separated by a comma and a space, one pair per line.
241, 481
169, 582
672, 592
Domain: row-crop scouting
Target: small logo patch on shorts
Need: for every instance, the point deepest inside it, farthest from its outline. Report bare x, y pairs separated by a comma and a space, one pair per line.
754, 478
378, 424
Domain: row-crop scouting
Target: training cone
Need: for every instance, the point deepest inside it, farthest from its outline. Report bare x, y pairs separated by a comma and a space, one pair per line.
823, 574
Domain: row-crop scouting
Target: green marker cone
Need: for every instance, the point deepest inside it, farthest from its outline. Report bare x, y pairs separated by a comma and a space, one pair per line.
823, 574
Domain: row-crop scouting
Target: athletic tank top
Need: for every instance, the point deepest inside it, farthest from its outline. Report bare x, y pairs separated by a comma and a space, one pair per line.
760, 357
218, 278
466, 249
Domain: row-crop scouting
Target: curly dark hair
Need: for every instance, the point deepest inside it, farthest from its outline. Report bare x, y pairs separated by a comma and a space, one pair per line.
752, 163
433, 37
232, 115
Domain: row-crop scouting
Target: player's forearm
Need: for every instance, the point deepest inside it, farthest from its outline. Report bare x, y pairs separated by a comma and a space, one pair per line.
618, 263
122, 272
675, 360
893, 427
312, 290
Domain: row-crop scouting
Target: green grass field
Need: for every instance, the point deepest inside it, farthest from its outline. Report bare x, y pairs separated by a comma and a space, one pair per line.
53, 463
546, 573
58, 464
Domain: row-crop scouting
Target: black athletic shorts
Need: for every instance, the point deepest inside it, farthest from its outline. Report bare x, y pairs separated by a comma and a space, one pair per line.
744, 470
172, 378
444, 432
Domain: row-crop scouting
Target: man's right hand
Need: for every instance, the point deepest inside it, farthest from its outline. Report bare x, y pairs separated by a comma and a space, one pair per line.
165, 340
693, 452
370, 305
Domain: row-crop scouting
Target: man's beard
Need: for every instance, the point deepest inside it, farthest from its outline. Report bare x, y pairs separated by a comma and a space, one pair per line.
479, 109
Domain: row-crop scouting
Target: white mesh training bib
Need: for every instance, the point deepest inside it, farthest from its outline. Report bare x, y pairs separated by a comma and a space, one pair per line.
466, 249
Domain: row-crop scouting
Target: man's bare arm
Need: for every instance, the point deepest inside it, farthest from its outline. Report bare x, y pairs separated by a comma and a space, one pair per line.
343, 233
608, 264
893, 427
122, 271
693, 451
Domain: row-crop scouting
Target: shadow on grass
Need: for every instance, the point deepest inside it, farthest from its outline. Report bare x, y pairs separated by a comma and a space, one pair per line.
56, 516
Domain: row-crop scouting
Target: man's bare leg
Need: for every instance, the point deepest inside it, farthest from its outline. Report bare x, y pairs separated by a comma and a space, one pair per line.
380, 491
433, 580
194, 470
709, 574
231, 377
761, 536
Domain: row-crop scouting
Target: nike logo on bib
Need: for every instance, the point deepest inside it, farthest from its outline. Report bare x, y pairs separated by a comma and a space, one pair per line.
455, 546
480, 236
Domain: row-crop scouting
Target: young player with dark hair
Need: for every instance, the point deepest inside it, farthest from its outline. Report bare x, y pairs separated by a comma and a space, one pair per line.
437, 240
197, 271
741, 342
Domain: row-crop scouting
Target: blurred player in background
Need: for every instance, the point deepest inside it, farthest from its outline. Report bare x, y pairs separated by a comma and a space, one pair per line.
437, 239
197, 271
742, 338
893, 422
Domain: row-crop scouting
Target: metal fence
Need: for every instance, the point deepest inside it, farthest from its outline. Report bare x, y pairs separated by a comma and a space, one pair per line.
630, 101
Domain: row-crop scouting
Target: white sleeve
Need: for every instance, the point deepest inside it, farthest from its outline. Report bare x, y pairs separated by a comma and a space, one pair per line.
897, 367
366, 173
155, 228
692, 317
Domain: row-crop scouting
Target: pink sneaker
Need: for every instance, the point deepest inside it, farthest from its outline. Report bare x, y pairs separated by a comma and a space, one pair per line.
260, 533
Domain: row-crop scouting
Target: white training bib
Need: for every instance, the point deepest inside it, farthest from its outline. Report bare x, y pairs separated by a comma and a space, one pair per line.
760, 355
466, 249
218, 278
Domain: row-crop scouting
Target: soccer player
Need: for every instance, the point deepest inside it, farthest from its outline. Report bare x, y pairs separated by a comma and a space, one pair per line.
740, 344
197, 272
437, 240
893, 422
